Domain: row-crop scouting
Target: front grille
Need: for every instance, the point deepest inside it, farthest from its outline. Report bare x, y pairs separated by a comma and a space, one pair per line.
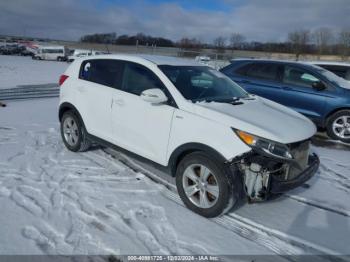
300, 152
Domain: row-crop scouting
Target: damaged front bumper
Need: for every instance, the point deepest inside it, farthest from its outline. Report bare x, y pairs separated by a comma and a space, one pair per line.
278, 185
264, 175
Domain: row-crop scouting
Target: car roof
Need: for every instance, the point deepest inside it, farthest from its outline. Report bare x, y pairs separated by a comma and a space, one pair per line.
155, 59
168, 60
305, 63
335, 63
51, 47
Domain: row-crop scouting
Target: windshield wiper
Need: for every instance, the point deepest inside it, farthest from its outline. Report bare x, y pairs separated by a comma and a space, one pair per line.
228, 100
222, 100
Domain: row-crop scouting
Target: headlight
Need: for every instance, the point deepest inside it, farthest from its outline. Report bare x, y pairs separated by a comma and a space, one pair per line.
266, 146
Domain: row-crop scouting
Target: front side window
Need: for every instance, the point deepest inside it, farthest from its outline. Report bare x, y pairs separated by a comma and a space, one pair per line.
299, 77
102, 71
137, 79
201, 83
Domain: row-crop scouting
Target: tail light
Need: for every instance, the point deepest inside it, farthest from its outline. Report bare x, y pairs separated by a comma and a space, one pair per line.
62, 79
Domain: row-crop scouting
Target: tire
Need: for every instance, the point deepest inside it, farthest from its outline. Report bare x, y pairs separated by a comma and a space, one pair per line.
219, 199
338, 126
73, 133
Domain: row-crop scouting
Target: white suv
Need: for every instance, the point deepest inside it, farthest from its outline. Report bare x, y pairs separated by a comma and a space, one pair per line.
221, 143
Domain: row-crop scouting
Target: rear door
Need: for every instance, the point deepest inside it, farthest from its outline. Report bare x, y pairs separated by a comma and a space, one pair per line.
139, 126
261, 78
100, 78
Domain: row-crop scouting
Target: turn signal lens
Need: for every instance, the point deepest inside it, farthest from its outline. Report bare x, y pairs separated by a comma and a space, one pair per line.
247, 138
264, 145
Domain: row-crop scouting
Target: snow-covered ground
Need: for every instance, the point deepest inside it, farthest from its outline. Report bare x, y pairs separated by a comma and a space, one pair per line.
57, 202
102, 202
19, 70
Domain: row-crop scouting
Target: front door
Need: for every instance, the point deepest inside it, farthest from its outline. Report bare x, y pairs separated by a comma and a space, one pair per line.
139, 126
300, 95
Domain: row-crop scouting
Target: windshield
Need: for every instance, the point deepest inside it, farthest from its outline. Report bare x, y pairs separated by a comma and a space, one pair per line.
333, 77
201, 83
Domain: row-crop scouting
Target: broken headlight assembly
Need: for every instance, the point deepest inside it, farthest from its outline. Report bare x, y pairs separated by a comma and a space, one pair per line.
265, 146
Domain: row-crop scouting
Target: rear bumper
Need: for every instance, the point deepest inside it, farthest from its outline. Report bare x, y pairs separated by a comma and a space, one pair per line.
280, 186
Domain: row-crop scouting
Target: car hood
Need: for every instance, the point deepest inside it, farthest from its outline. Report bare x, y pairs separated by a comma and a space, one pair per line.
260, 117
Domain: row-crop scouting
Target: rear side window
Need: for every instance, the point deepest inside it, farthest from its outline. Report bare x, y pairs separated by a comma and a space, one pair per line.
243, 69
52, 51
138, 78
299, 77
102, 71
267, 71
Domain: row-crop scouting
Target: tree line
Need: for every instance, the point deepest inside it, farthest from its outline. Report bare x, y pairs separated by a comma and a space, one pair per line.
321, 41
138, 39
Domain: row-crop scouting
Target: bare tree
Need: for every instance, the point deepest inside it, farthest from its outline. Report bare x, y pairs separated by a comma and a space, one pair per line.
299, 40
190, 43
236, 41
344, 43
220, 43
323, 38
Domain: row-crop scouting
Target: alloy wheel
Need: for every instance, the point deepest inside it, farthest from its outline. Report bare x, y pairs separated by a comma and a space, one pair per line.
200, 186
341, 127
70, 131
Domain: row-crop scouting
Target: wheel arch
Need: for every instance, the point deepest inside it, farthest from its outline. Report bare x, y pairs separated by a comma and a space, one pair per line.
335, 111
64, 107
180, 152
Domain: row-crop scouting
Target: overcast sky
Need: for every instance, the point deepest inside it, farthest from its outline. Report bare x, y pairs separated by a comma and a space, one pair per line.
261, 20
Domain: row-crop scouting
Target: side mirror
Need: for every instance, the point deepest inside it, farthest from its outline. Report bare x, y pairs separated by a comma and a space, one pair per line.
319, 86
154, 96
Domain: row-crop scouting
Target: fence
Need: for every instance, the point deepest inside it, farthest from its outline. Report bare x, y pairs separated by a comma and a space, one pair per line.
29, 91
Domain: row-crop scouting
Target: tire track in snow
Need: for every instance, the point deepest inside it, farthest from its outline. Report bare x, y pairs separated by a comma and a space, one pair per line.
40, 174
277, 241
332, 176
334, 209
8, 135
60, 181
272, 239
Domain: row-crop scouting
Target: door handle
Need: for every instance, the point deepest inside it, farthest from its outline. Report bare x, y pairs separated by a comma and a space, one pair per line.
287, 88
245, 81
